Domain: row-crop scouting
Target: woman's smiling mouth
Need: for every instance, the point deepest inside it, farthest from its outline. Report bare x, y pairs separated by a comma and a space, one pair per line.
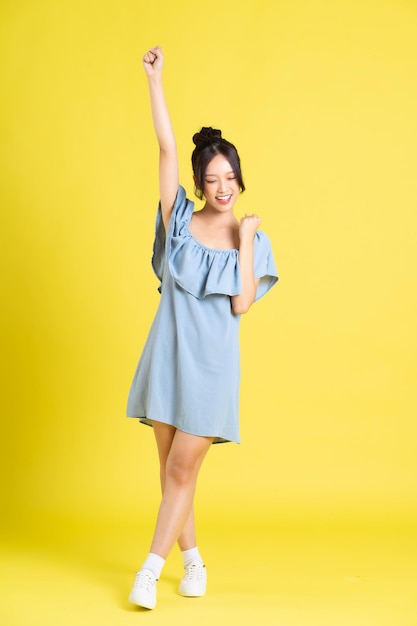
223, 199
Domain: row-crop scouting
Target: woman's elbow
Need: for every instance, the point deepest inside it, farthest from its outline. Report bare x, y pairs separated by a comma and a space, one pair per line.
239, 307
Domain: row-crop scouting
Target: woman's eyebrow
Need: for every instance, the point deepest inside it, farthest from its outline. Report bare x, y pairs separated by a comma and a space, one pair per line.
227, 173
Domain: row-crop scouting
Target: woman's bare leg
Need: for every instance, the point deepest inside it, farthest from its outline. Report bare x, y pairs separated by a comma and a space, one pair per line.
181, 456
164, 434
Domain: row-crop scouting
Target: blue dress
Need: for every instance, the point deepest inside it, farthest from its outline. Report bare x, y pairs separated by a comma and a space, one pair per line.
189, 372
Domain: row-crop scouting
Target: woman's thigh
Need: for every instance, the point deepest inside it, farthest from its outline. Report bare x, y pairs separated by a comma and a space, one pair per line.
180, 447
187, 452
164, 435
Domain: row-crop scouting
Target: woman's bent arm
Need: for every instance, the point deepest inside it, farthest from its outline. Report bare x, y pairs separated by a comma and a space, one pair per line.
248, 227
168, 161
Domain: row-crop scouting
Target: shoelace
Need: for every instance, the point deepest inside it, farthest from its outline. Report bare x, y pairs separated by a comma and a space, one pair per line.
194, 571
144, 581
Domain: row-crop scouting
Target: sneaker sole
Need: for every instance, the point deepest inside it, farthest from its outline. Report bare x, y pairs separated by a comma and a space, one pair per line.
144, 604
191, 594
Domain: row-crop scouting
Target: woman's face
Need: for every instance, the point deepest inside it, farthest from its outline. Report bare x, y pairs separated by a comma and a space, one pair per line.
221, 188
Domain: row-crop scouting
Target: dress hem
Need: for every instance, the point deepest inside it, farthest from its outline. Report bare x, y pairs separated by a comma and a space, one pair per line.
146, 421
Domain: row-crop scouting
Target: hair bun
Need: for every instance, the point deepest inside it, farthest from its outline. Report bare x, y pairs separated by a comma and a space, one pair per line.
207, 135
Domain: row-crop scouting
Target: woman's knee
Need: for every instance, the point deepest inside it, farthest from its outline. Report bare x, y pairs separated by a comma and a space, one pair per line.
180, 471
185, 457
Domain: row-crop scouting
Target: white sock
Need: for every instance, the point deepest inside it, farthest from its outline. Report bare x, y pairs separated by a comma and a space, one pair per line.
191, 555
154, 563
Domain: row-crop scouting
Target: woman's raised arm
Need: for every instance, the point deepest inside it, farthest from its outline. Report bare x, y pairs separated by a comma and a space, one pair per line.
153, 62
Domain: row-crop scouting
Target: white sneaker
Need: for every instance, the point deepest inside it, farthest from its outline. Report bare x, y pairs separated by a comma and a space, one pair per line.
194, 581
144, 590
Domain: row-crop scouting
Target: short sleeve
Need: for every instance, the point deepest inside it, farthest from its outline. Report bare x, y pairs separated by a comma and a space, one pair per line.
264, 264
182, 211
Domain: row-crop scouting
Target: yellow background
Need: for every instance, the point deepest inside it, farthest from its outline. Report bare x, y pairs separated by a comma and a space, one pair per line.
320, 98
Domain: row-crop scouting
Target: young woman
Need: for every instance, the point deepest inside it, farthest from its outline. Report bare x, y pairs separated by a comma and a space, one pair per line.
212, 267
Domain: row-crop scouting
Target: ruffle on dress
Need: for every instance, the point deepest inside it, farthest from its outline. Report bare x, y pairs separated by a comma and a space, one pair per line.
204, 271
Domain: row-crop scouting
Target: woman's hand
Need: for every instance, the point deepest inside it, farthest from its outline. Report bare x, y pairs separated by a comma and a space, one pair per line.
153, 61
248, 227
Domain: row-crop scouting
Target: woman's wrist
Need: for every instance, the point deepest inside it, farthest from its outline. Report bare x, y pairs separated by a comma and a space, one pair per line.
155, 81
246, 240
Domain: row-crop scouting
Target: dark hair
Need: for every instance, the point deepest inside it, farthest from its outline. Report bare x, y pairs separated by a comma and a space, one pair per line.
208, 143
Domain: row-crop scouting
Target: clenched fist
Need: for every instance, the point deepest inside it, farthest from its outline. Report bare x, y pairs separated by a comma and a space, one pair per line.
248, 226
153, 61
